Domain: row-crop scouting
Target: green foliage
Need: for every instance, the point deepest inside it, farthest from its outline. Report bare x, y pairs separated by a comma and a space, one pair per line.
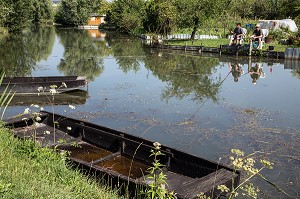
43, 11
20, 15
104, 7
127, 16
160, 17
193, 13
33, 45
5, 10
29, 171
158, 179
84, 62
242, 8
281, 33
75, 12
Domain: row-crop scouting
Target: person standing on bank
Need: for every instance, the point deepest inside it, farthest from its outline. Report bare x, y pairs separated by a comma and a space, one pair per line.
237, 34
256, 36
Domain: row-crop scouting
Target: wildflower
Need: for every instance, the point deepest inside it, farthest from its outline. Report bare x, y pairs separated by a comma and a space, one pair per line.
238, 163
267, 164
53, 86
237, 152
52, 91
40, 89
157, 145
71, 106
26, 111
69, 128
41, 108
38, 118
64, 85
47, 132
223, 188
24, 118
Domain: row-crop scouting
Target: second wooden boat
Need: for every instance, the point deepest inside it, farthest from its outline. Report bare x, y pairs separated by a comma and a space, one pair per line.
42, 85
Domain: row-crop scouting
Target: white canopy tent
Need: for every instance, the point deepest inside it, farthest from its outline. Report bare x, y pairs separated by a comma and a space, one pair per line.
274, 24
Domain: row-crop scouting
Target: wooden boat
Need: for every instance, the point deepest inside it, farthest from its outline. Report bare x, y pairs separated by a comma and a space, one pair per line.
42, 85
75, 97
123, 158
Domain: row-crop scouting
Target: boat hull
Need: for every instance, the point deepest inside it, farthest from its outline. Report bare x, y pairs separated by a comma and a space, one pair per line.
31, 85
124, 159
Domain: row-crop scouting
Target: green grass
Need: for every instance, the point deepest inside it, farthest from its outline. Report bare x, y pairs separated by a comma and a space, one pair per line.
222, 41
29, 171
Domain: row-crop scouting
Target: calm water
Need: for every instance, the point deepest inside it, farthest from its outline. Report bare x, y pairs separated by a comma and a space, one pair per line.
186, 101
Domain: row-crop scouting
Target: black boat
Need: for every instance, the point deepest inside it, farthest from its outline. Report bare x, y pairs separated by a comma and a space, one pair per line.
42, 85
123, 158
75, 97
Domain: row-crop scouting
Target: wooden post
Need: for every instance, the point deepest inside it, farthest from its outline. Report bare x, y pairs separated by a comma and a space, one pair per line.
250, 48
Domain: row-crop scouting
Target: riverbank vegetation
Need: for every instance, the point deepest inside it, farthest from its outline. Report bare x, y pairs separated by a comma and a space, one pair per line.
148, 16
29, 171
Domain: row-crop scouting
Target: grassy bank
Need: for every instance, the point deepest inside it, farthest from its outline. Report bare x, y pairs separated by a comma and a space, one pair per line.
28, 171
222, 41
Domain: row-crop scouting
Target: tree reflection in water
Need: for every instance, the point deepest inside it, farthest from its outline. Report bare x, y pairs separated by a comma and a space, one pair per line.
20, 53
185, 75
82, 55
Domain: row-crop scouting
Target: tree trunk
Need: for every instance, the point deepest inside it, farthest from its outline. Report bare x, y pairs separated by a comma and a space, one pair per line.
196, 24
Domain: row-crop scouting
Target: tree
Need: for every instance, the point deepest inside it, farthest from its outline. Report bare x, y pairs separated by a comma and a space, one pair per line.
289, 8
104, 7
160, 16
127, 15
5, 10
20, 15
75, 12
43, 11
192, 13
242, 8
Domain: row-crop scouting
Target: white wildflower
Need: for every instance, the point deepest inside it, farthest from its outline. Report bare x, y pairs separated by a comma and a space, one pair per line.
223, 188
41, 108
26, 111
69, 128
40, 89
47, 132
52, 91
156, 145
71, 106
38, 118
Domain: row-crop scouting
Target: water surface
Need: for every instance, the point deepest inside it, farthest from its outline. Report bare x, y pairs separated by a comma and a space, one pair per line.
187, 101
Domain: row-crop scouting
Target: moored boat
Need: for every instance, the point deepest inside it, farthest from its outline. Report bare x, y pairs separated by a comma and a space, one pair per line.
42, 85
124, 158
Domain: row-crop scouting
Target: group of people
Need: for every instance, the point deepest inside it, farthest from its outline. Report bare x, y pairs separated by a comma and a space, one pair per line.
255, 71
238, 34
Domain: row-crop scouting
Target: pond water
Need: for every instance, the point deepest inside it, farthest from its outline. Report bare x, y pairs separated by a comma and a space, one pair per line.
188, 101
